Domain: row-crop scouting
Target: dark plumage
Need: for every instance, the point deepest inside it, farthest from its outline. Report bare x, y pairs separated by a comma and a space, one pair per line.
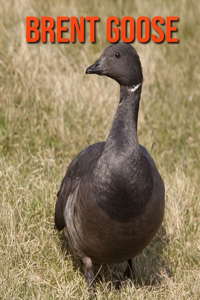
111, 199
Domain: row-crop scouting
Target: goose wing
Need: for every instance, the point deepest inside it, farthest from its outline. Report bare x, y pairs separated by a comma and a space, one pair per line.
80, 166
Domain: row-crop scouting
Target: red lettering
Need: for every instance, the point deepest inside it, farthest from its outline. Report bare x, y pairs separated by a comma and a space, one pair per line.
92, 21
171, 29
146, 37
127, 30
161, 37
61, 29
115, 30
80, 30
50, 29
30, 29
125, 20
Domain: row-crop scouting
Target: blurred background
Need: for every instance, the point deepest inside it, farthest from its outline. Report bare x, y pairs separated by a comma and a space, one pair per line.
50, 110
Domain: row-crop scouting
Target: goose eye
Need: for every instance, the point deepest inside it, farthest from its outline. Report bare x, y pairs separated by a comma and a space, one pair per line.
117, 54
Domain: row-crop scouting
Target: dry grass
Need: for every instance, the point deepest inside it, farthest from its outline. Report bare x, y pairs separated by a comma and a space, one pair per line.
50, 110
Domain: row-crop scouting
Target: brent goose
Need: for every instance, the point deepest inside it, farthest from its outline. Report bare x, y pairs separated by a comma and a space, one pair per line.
111, 200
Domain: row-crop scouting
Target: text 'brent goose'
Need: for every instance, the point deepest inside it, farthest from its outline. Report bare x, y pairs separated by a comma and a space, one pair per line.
111, 200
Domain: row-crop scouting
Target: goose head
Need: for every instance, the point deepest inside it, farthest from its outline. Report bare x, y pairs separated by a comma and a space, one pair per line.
120, 62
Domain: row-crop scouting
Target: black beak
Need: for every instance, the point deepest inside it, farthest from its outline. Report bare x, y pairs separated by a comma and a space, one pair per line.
97, 68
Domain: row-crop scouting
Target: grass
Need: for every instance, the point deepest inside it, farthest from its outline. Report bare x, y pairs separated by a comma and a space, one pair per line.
50, 110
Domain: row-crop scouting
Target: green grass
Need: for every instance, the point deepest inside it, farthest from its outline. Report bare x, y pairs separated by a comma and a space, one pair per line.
50, 110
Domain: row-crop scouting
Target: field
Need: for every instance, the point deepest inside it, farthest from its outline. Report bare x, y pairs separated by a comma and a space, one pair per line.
50, 110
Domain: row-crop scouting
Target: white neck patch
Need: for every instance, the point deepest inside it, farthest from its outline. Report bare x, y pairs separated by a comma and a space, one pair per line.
133, 88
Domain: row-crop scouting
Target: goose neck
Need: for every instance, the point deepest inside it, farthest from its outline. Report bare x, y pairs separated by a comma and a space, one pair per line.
123, 133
